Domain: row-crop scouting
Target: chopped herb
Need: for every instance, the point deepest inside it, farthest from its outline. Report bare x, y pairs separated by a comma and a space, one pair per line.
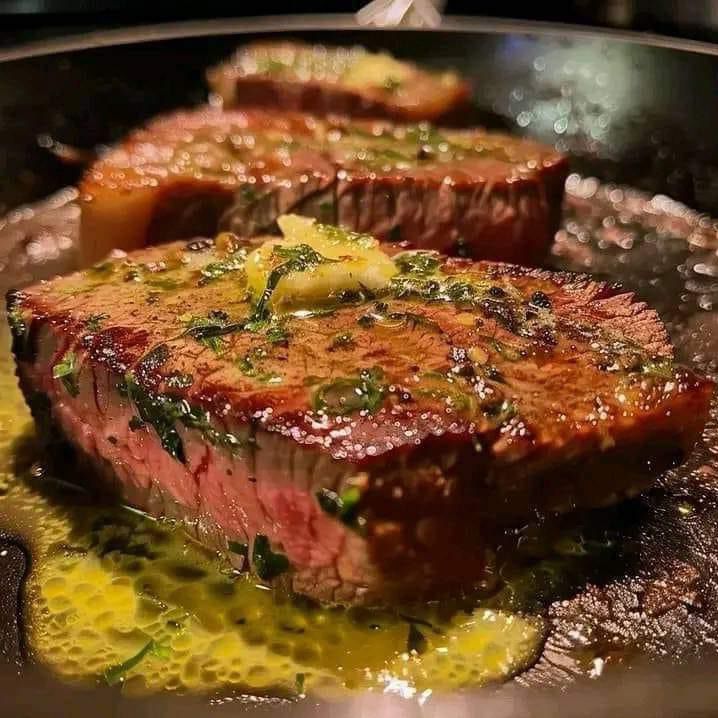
299, 683
154, 359
660, 368
381, 315
66, 371
163, 412
196, 418
159, 412
116, 674
21, 346
248, 194
247, 365
461, 292
277, 334
165, 283
505, 350
209, 330
345, 340
214, 270
417, 262
241, 549
344, 506
441, 388
267, 564
17, 322
392, 84
415, 641
501, 413
343, 396
250, 365
176, 380
271, 66
326, 211
102, 269
135, 423
462, 248
341, 234
432, 289
414, 320
94, 321
133, 275
502, 312
355, 296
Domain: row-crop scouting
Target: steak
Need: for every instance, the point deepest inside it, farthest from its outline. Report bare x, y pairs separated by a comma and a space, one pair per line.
469, 192
368, 450
337, 80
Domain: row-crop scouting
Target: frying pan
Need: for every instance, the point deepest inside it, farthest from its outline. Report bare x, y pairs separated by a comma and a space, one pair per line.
637, 114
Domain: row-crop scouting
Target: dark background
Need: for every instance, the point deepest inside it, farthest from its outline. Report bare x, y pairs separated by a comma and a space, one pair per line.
24, 20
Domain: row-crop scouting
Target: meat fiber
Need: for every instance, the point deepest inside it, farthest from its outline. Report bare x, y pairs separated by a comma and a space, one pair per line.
372, 450
337, 80
467, 192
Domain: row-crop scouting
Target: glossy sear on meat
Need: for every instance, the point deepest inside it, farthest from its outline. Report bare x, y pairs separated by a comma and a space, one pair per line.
466, 192
370, 447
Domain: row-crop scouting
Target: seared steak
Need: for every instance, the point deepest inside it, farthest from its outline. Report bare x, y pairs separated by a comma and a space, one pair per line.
337, 80
468, 192
369, 448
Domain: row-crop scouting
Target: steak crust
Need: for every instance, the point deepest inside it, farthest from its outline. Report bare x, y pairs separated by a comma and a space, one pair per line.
468, 192
378, 447
315, 79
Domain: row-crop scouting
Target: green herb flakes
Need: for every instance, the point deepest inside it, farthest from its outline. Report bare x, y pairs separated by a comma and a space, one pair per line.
415, 641
267, 563
345, 340
116, 674
344, 506
66, 371
343, 396
209, 330
239, 548
95, 321
417, 262
216, 270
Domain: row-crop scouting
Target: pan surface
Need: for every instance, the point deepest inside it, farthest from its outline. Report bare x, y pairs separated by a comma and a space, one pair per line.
639, 117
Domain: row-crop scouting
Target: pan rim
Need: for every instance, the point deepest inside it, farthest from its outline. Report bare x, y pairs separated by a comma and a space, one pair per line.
142, 34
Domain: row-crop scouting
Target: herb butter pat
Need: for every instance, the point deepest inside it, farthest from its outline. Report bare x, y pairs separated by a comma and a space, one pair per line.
315, 265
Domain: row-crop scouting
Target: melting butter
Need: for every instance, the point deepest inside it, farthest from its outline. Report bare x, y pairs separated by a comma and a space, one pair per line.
315, 265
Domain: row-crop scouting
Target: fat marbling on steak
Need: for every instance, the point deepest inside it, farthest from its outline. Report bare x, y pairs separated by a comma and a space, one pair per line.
285, 75
470, 192
368, 448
